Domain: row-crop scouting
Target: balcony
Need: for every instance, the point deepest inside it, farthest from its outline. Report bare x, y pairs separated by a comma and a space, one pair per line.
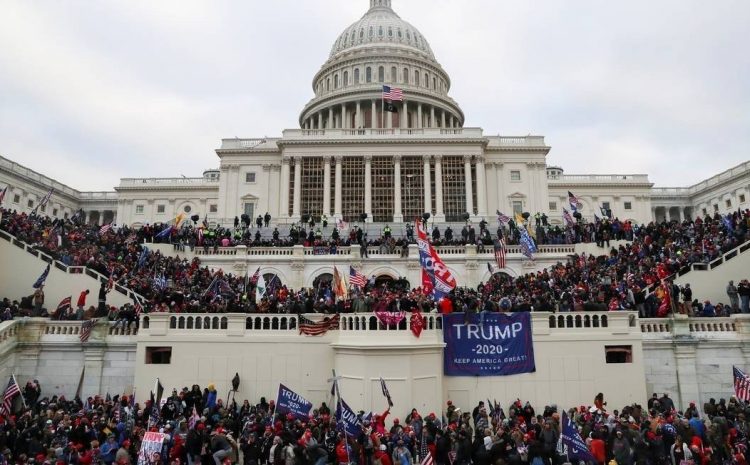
369, 133
135, 183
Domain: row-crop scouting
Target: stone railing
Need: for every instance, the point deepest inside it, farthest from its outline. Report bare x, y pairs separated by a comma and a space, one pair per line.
684, 326
725, 257
8, 334
731, 173
37, 178
66, 268
178, 182
601, 178
579, 320
378, 132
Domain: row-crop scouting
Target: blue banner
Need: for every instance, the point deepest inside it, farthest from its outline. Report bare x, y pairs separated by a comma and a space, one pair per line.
291, 402
501, 346
347, 420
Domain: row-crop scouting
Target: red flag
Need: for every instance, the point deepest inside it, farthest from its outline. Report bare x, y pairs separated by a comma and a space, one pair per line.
417, 323
427, 285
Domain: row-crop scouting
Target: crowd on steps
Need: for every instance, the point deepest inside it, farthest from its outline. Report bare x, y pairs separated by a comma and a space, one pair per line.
634, 276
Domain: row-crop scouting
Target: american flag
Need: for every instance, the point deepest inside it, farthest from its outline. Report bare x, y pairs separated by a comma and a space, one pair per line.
86, 328
500, 252
575, 202
46, 198
424, 451
255, 277
193, 420
111, 280
10, 393
394, 94
105, 229
741, 385
501, 218
2, 194
569, 221
138, 308
64, 305
356, 278
311, 328
342, 225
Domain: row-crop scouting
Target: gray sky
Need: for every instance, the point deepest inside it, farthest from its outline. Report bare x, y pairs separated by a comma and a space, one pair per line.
94, 91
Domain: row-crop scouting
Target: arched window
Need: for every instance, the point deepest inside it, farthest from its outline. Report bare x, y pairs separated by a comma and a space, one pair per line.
399, 33
381, 74
336, 81
394, 74
434, 83
356, 76
405, 76
328, 84
361, 34
426, 80
346, 79
416, 77
372, 33
368, 74
380, 31
390, 32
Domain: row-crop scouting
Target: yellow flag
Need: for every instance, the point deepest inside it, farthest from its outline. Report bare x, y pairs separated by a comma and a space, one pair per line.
519, 219
178, 220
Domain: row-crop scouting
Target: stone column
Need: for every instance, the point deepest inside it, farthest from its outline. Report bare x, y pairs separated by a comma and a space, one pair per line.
687, 374
374, 117
344, 119
297, 189
368, 187
388, 120
467, 180
450, 121
427, 188
358, 118
327, 185
398, 215
481, 189
337, 190
320, 120
442, 119
432, 117
284, 194
330, 118
439, 212
419, 116
404, 116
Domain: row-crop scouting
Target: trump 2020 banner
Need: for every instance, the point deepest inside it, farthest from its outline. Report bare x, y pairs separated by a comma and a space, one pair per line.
291, 402
501, 346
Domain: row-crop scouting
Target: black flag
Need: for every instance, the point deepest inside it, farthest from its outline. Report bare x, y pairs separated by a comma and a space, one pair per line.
389, 106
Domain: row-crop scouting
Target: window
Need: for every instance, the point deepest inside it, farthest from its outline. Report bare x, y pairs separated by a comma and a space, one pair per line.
434, 83
250, 177
250, 210
346, 78
328, 84
426, 82
336, 81
30, 203
405, 76
416, 77
515, 175
43, 208
381, 74
517, 206
356, 76
187, 209
605, 205
618, 354
553, 206
368, 74
16, 198
139, 209
158, 355
160, 209
705, 212
742, 198
628, 205
213, 208
728, 203
54, 212
394, 74
716, 207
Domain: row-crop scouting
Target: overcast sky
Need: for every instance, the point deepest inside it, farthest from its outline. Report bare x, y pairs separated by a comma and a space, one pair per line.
92, 91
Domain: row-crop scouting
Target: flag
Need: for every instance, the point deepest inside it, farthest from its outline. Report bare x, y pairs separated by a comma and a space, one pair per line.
165, 232
77, 216
387, 394
390, 107
2, 194
79, 389
64, 305
273, 286
394, 94
424, 451
489, 268
111, 280
528, 247
427, 284
342, 225
260, 288
256, 277
41, 279
178, 220
10, 393
500, 253
311, 328
160, 282
104, 229
153, 418
143, 257
417, 323
727, 220
138, 308
159, 391
570, 442
86, 329
347, 420
741, 385
356, 278
502, 219
339, 284
194, 418
439, 275
569, 221
575, 202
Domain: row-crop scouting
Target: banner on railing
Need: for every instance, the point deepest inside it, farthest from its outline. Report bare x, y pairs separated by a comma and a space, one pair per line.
289, 401
501, 345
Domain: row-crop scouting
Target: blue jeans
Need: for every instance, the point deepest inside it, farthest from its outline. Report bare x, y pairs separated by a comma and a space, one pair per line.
745, 303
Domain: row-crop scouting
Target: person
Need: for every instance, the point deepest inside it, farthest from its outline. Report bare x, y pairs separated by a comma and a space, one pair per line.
81, 304
38, 301
259, 221
324, 220
220, 446
267, 219
122, 457
679, 451
101, 309
734, 299
401, 454
744, 291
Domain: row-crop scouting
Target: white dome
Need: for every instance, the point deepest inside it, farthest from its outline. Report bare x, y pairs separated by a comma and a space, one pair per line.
381, 25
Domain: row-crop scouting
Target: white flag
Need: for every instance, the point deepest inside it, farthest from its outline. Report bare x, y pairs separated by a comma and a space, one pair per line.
260, 289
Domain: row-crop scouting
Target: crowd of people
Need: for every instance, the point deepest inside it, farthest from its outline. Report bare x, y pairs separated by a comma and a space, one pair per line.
198, 427
635, 276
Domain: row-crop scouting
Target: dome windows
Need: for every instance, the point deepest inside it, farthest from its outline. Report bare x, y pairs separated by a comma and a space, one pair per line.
381, 74
390, 32
368, 74
394, 74
399, 33
380, 31
336, 81
405, 76
346, 78
361, 34
408, 36
356, 76
372, 32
